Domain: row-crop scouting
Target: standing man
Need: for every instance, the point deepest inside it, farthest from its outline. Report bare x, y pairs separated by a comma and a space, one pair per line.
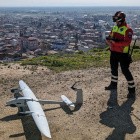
119, 41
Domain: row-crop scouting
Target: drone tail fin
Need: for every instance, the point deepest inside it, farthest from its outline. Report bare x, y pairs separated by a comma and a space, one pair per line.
67, 101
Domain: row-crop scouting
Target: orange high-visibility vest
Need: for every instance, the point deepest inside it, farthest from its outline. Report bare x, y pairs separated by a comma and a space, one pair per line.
120, 30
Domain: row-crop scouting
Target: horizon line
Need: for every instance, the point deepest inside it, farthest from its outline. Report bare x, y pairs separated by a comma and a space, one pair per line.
65, 6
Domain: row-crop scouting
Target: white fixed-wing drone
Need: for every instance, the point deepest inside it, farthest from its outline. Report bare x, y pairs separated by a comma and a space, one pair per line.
29, 100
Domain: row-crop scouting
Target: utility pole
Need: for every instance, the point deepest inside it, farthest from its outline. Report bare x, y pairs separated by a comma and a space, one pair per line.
76, 41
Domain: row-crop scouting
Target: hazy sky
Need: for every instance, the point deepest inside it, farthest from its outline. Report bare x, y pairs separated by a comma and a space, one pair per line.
14, 3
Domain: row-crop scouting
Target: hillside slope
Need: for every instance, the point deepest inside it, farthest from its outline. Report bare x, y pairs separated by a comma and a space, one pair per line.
92, 119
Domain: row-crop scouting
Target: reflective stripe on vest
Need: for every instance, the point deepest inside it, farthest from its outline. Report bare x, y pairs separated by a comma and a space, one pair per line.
121, 31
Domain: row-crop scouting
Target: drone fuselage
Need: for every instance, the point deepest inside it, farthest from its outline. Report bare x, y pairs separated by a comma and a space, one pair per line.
18, 102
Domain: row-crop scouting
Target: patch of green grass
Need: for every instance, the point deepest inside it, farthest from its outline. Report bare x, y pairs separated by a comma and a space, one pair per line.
136, 54
80, 60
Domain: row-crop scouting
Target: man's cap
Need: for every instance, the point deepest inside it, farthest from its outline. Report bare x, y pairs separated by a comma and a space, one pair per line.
119, 16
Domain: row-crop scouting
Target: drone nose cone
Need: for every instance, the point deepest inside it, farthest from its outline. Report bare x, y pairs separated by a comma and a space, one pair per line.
12, 90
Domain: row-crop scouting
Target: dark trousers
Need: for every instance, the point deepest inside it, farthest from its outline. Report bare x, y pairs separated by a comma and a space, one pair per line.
124, 61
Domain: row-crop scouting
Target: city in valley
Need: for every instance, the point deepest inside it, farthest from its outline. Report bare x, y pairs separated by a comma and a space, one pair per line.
29, 32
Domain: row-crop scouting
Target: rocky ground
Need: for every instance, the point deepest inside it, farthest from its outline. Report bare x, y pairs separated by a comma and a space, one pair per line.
93, 118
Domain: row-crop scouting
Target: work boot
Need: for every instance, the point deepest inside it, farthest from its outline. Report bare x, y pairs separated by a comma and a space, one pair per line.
131, 94
112, 86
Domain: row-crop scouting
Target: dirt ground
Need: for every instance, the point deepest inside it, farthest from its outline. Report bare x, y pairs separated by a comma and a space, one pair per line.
98, 114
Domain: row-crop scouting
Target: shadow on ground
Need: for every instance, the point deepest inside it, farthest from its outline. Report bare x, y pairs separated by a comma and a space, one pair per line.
30, 130
118, 117
78, 102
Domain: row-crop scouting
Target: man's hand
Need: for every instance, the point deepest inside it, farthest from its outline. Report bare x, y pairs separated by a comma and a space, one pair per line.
110, 42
